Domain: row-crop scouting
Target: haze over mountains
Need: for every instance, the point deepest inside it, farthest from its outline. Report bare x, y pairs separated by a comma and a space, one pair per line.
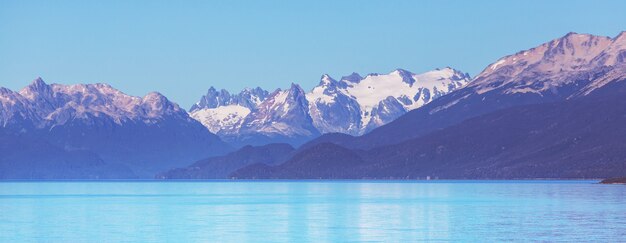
553, 111
95, 131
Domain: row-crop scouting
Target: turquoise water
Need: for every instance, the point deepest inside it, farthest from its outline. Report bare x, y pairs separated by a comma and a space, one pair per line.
301, 211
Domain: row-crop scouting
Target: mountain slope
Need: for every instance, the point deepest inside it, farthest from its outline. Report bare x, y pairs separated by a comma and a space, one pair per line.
31, 158
327, 160
144, 134
221, 167
576, 138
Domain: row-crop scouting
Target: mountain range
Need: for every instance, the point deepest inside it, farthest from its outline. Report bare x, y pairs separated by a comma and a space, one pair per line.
565, 68
95, 131
352, 105
552, 111
579, 138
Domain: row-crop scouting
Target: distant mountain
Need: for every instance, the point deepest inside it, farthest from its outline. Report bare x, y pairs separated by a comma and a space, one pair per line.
367, 103
556, 110
220, 167
353, 105
124, 136
326, 160
564, 68
551, 111
223, 113
249, 98
283, 117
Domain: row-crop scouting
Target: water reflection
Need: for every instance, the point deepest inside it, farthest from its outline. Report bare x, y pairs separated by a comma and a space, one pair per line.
311, 211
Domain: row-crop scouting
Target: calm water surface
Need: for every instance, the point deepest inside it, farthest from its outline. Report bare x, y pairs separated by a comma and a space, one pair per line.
302, 211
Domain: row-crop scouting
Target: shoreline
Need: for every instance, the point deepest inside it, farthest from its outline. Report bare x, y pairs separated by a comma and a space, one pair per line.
599, 180
614, 181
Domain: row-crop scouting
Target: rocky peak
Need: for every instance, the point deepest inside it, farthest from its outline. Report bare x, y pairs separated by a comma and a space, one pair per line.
5, 91
326, 80
157, 106
295, 91
212, 99
407, 76
258, 91
36, 88
38, 82
251, 98
352, 78
57, 104
155, 97
336, 106
581, 47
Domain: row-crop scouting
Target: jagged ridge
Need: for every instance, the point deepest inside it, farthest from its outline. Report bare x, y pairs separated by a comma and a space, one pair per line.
353, 105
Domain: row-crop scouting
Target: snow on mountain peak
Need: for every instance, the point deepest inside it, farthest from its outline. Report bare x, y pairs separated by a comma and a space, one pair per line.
283, 113
248, 97
414, 90
223, 119
323, 92
326, 80
352, 78
37, 87
222, 112
352, 105
620, 39
56, 104
557, 63
296, 88
407, 76
38, 82
156, 105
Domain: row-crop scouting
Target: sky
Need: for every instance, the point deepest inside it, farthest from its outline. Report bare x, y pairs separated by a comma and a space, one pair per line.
181, 48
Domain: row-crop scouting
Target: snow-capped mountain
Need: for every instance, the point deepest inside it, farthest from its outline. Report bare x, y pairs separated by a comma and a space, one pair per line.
553, 111
249, 98
353, 105
140, 134
332, 108
565, 68
283, 115
222, 120
561, 62
15, 110
381, 98
223, 113
47, 106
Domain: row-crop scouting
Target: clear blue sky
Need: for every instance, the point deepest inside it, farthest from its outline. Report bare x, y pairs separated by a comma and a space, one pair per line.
180, 48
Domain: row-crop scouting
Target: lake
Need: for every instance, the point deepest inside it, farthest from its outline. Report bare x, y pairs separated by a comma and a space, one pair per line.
303, 211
